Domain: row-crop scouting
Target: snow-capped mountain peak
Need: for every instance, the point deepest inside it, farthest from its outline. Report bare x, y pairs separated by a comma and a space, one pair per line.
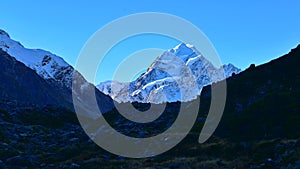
179, 74
184, 50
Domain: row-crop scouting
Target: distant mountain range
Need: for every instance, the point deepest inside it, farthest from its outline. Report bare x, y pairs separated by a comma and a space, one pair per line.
179, 74
182, 65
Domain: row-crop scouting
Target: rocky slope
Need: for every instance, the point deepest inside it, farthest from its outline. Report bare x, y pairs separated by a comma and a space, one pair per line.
21, 87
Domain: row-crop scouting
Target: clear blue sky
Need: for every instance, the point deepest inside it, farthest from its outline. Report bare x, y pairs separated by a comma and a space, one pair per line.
243, 32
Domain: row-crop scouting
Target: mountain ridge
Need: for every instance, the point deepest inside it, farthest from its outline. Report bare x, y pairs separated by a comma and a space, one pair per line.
54, 71
46, 64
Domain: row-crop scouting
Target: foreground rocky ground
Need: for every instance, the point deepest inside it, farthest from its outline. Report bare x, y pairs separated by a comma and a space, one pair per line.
51, 138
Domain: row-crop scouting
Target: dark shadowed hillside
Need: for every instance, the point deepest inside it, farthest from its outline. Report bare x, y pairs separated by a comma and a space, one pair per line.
263, 101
